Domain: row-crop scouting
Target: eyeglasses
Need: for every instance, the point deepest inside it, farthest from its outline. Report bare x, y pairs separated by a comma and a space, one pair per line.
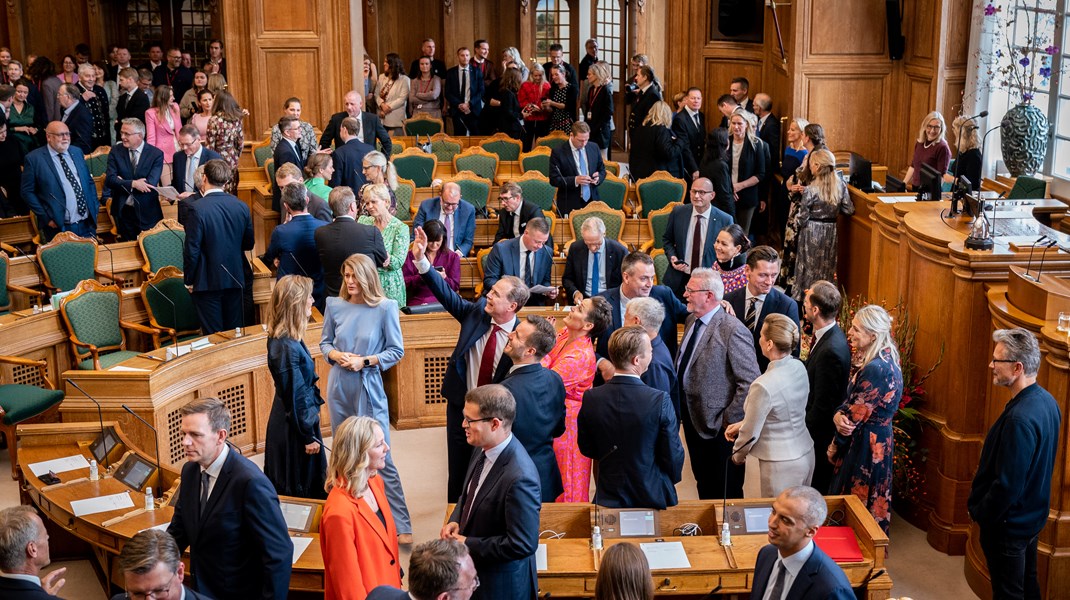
65, 134
701, 192
933, 127
1004, 360
451, 204
468, 423
160, 591
474, 586
691, 291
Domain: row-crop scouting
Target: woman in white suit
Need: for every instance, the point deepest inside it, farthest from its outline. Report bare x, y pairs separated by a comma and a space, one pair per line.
781, 454
392, 94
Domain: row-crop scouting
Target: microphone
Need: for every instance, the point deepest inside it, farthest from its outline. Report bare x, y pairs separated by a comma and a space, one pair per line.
726, 535
1043, 255
155, 439
294, 258
242, 286
321, 442
100, 418
1029, 264
36, 267
873, 576
606, 455
174, 316
111, 258
984, 140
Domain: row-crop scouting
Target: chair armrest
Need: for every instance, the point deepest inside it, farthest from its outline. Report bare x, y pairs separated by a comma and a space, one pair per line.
23, 362
25, 290
141, 328
112, 276
647, 246
8, 248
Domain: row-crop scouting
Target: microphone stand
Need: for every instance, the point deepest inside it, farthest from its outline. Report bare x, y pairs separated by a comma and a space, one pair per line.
302, 269
237, 331
174, 316
726, 535
155, 439
100, 419
1040, 269
1029, 264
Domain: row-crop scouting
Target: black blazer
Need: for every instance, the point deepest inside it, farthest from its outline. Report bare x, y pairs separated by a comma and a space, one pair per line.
178, 179
528, 211
683, 126
218, 231
655, 148
80, 122
563, 173
348, 160
371, 127
828, 368
751, 164
337, 241
540, 417
285, 154
120, 176
23, 590
775, 302
598, 105
239, 546
661, 373
133, 105
575, 277
642, 107
503, 529
819, 579
675, 313
770, 134
632, 431
674, 240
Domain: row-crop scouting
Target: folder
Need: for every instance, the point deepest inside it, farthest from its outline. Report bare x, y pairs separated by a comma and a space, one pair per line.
839, 543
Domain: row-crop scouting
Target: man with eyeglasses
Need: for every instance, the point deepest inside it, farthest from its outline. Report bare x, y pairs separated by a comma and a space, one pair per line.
134, 169
152, 568
437, 568
289, 151
690, 233
58, 188
456, 214
1011, 493
514, 214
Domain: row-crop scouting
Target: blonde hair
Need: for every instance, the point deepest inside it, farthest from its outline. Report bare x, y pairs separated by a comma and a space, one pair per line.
601, 72
286, 313
367, 278
922, 138
876, 321
216, 83
348, 467
390, 174
782, 331
826, 183
377, 191
967, 134
660, 114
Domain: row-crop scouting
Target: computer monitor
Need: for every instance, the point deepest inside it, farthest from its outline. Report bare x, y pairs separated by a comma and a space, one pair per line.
894, 185
861, 173
932, 184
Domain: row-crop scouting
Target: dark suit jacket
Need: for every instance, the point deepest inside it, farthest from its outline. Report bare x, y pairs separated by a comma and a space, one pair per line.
43, 193
528, 211
121, 175
675, 241
348, 159
284, 154
294, 244
683, 127
455, 96
23, 590
339, 240
371, 127
828, 367
540, 417
675, 314
318, 207
503, 529
819, 579
218, 231
178, 178
437, 68
661, 373
239, 546
722, 369
464, 222
632, 431
751, 164
180, 79
770, 134
385, 592
570, 73
80, 122
642, 107
134, 107
183, 207
504, 259
563, 173
775, 302
575, 276
655, 148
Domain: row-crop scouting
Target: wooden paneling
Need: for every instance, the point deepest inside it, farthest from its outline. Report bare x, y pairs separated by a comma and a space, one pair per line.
293, 68
848, 27
287, 17
842, 108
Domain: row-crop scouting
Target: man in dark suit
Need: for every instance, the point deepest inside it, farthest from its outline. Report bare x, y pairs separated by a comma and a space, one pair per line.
151, 563
437, 569
739, 91
768, 130
797, 515
348, 157
525, 257
173, 74
132, 102
631, 430
77, 117
576, 169
58, 188
1010, 497
370, 129
690, 233
218, 231
193, 154
758, 299
317, 206
647, 94
464, 93
345, 237
293, 244
478, 358
437, 66
514, 214
828, 368
540, 399
24, 554
228, 514
456, 214
557, 58
715, 368
660, 374
133, 173
690, 125
497, 514
590, 57
593, 263
288, 151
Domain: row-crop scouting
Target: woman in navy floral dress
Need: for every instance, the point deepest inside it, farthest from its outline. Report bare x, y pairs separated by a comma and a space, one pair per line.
863, 449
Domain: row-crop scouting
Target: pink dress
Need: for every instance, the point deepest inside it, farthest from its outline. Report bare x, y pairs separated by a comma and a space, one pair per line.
576, 364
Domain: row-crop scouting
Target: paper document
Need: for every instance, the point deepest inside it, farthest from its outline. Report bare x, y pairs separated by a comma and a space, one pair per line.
168, 192
92, 506
300, 545
540, 558
129, 369
541, 289
184, 349
665, 555
59, 465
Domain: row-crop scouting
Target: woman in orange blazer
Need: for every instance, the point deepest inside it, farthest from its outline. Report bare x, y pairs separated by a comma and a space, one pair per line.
358, 538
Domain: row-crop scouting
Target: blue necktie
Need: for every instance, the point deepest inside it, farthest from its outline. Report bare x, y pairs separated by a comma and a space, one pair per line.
79, 195
594, 275
585, 190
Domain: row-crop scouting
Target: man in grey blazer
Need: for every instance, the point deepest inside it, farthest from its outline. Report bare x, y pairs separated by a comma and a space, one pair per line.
715, 367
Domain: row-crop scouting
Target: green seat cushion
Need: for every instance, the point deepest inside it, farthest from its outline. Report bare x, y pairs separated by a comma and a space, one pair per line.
108, 360
23, 402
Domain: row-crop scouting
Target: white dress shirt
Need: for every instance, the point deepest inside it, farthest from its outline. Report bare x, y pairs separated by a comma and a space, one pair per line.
792, 565
691, 234
214, 469
492, 456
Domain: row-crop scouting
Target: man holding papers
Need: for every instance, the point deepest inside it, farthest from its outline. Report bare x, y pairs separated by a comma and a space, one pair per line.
23, 553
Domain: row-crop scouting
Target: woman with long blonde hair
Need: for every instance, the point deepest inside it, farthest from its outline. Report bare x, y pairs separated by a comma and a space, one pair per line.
820, 205
661, 150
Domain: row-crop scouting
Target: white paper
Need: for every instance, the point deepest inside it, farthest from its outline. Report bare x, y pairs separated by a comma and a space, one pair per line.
60, 465
300, 545
92, 506
161, 527
181, 350
128, 369
540, 558
541, 289
168, 192
665, 555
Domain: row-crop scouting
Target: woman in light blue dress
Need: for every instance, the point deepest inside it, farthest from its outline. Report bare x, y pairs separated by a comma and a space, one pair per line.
361, 339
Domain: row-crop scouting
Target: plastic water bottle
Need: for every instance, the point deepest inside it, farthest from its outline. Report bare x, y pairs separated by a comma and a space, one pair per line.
726, 535
596, 538
150, 502
94, 471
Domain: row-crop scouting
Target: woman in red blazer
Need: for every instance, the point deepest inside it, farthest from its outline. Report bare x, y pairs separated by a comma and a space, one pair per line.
358, 538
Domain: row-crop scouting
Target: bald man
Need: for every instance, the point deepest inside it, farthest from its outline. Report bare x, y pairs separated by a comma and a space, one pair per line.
371, 128
58, 188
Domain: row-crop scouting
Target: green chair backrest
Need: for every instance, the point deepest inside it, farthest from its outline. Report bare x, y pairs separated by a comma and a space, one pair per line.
417, 169
174, 289
504, 150
445, 150
94, 318
658, 223
613, 167
414, 127
97, 165
270, 166
5, 299
484, 166
1027, 188
661, 265
538, 192
613, 192
614, 223
537, 162
404, 195
551, 143
164, 249
658, 194
68, 264
475, 192
261, 154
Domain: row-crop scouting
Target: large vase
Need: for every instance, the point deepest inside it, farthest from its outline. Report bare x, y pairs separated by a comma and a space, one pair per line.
1024, 135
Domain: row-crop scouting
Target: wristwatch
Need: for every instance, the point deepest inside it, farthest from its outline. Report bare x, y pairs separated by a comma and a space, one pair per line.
367, 363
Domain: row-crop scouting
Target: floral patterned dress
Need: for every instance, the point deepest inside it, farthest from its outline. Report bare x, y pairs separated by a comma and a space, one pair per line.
576, 364
228, 139
396, 239
863, 461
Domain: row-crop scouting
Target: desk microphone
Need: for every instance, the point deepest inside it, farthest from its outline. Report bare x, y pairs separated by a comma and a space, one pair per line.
100, 418
984, 140
156, 441
36, 268
873, 576
1029, 264
111, 258
726, 535
174, 316
294, 258
1040, 269
242, 286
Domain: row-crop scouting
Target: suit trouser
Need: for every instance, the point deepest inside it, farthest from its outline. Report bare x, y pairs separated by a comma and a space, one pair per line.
85, 228
219, 310
465, 124
459, 453
711, 462
1012, 563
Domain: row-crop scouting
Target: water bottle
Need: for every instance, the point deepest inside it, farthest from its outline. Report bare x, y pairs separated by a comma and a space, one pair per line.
596, 538
150, 502
94, 472
726, 535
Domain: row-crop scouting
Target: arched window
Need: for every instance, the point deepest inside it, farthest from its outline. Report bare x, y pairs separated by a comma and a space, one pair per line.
609, 31
551, 27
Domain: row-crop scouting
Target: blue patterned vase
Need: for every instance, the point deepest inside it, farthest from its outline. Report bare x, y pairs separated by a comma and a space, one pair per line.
1024, 135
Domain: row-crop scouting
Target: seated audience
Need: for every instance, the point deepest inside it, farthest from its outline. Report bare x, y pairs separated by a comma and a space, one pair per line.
23, 555
447, 263
514, 214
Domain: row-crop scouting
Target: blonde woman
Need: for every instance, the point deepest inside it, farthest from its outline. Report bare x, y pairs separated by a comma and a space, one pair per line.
358, 537
968, 161
395, 238
782, 453
598, 105
815, 221
863, 450
930, 148
746, 157
392, 94
661, 150
362, 338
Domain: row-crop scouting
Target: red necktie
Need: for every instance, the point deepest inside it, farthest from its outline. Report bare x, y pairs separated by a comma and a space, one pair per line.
486, 364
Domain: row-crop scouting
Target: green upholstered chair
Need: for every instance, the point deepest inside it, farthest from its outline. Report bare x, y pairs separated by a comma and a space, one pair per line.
69, 259
417, 166
614, 220
93, 316
262, 152
168, 301
474, 189
613, 167
162, 246
396, 147
536, 160
269, 171
661, 265
444, 147
552, 140
613, 191
536, 188
656, 222
1028, 188
481, 268
405, 194
658, 191
423, 124
478, 161
23, 402
97, 161
7, 287
505, 147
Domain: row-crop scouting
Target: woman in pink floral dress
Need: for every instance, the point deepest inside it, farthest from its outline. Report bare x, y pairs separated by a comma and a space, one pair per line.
574, 360
225, 135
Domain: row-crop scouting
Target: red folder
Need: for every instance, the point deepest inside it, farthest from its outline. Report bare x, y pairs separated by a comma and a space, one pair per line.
839, 543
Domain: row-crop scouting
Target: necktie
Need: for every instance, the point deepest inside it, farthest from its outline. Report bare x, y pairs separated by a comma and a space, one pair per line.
464, 84
752, 313
685, 358
697, 124
595, 275
79, 195
516, 223
529, 277
696, 244
473, 483
449, 232
133, 161
191, 166
777, 591
585, 189
300, 152
486, 363
205, 478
